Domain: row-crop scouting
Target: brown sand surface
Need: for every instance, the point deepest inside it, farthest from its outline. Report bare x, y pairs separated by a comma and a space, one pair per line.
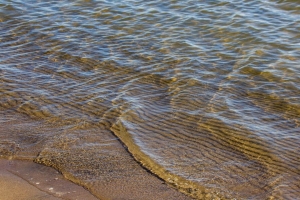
91, 157
24, 180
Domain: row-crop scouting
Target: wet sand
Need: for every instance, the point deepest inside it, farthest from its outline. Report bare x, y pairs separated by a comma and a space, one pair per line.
28, 180
25, 180
106, 170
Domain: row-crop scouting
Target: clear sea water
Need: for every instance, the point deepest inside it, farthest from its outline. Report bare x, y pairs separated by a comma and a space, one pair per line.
205, 94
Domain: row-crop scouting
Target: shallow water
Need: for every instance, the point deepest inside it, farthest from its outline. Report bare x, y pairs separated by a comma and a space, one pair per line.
205, 94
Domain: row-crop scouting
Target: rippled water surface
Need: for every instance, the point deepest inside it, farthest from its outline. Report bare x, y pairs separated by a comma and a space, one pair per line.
205, 94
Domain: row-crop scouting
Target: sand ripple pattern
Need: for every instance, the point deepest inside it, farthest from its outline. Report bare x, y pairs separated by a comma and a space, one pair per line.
205, 94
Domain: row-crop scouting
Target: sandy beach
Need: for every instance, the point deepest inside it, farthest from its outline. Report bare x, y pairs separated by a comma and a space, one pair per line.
27, 180
114, 175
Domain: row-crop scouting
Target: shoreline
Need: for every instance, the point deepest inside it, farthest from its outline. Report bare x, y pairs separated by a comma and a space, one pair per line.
20, 179
97, 161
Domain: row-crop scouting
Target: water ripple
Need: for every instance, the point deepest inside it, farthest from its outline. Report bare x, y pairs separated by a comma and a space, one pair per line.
204, 94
